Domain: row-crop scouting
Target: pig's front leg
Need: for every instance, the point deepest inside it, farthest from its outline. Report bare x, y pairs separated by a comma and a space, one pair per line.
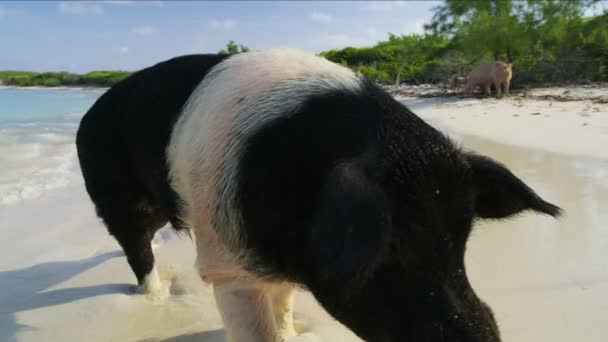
247, 311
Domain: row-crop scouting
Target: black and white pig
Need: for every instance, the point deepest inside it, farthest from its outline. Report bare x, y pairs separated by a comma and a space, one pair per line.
292, 171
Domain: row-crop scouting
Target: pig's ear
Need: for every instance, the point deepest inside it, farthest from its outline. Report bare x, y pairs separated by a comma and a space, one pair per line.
500, 194
351, 228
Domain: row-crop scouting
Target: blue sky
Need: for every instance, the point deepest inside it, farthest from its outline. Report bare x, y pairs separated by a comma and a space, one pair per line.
83, 36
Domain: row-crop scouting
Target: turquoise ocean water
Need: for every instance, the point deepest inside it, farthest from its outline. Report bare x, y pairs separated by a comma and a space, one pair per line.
37, 130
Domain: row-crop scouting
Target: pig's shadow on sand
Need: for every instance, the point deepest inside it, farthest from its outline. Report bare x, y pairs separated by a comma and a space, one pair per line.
26, 289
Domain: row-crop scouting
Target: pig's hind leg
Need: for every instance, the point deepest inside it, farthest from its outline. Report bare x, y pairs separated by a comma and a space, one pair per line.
486, 88
247, 311
134, 229
498, 86
282, 305
129, 215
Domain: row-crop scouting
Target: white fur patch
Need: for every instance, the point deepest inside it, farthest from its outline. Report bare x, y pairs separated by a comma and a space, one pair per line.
151, 281
236, 98
152, 286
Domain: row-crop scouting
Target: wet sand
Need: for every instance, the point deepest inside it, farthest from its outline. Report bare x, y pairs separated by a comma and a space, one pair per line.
546, 280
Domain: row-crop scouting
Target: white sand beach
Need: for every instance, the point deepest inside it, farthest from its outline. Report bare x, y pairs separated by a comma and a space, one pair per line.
576, 123
63, 278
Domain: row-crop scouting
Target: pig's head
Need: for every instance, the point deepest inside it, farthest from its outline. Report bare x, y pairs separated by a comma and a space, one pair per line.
390, 238
370, 208
508, 71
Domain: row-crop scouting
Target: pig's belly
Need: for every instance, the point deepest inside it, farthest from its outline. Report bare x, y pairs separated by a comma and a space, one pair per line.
215, 262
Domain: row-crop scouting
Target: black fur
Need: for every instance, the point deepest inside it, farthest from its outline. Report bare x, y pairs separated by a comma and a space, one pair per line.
501, 194
121, 145
351, 196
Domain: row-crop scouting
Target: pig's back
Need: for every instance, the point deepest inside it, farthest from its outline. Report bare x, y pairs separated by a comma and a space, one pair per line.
128, 128
481, 73
236, 100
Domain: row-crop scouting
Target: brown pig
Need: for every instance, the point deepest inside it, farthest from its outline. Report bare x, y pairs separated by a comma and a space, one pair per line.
497, 73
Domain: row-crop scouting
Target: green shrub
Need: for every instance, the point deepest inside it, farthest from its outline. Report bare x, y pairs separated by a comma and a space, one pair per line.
51, 82
375, 75
104, 78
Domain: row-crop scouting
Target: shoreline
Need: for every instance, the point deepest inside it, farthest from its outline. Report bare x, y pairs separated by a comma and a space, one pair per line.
55, 88
568, 120
596, 92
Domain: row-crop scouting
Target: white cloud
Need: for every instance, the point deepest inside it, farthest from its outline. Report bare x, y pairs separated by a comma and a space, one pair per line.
80, 8
381, 6
144, 30
123, 50
414, 26
225, 24
320, 17
369, 37
117, 2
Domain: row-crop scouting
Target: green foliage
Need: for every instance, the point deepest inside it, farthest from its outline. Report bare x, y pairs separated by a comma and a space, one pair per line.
353, 56
55, 79
233, 48
104, 78
375, 75
400, 58
51, 82
8, 73
547, 41
22, 81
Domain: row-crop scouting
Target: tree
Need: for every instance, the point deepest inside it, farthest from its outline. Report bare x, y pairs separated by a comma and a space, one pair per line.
399, 58
547, 40
233, 48
506, 28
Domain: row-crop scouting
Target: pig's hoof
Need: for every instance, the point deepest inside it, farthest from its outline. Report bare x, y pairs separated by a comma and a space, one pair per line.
153, 288
159, 295
155, 294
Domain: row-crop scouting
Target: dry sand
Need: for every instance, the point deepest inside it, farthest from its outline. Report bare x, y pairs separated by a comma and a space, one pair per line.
62, 278
568, 125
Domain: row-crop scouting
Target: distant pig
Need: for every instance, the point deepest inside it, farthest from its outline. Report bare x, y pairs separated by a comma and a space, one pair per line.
497, 73
293, 171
